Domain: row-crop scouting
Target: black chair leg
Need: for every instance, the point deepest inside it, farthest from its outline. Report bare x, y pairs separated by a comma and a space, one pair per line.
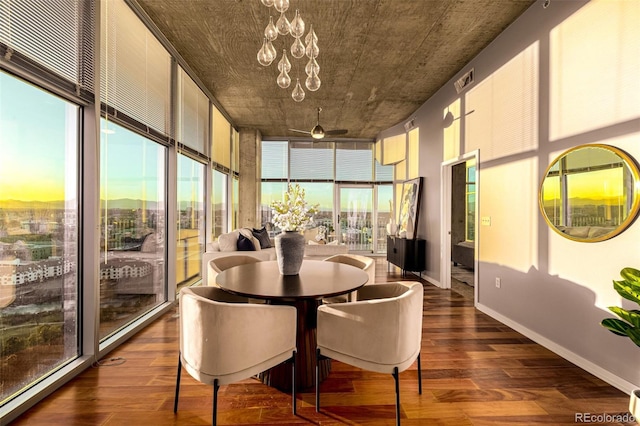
397, 379
317, 380
293, 382
175, 402
419, 376
216, 386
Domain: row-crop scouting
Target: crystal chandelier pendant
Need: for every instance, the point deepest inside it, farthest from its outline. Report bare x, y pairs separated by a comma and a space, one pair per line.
281, 5
297, 25
271, 32
298, 93
311, 35
284, 63
267, 3
283, 79
264, 54
313, 82
312, 49
283, 25
312, 66
272, 51
297, 48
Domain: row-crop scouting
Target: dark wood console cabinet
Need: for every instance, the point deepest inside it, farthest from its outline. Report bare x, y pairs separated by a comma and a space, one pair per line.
408, 255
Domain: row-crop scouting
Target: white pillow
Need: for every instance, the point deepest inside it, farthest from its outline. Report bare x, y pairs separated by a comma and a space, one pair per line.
229, 241
313, 243
333, 243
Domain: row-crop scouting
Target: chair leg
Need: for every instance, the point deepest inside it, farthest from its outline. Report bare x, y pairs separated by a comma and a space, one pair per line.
175, 402
216, 386
317, 380
293, 382
419, 376
397, 379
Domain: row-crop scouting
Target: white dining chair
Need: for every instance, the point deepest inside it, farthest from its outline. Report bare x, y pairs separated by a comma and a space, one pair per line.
224, 339
381, 332
223, 263
367, 264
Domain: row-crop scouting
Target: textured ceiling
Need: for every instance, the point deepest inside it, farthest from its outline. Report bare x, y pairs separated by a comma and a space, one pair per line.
379, 59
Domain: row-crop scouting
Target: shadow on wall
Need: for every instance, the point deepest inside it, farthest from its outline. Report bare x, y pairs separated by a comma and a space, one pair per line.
561, 311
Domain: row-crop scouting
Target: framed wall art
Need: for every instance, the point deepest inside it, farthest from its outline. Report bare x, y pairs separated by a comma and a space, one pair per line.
409, 208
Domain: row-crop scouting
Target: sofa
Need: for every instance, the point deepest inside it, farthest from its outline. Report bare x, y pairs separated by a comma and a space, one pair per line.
261, 246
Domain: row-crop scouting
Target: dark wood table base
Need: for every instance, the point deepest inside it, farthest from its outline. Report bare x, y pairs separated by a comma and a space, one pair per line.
279, 377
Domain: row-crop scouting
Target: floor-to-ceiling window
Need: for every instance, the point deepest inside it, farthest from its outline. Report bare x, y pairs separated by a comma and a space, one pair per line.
39, 259
342, 178
218, 203
132, 224
190, 220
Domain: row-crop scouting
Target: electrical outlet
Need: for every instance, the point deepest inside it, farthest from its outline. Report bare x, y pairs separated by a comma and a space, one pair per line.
498, 283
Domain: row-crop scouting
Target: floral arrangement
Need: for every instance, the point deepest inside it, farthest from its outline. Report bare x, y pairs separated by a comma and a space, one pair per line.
293, 213
322, 234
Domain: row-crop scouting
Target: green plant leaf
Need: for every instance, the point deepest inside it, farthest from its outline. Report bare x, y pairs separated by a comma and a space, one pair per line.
631, 274
627, 291
632, 317
634, 335
616, 326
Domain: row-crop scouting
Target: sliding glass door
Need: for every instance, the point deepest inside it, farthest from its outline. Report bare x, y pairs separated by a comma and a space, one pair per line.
355, 217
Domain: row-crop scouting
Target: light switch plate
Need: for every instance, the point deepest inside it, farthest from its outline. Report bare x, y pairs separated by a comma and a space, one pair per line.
486, 220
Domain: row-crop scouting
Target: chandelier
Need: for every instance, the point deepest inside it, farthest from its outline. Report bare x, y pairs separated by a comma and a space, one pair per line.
267, 53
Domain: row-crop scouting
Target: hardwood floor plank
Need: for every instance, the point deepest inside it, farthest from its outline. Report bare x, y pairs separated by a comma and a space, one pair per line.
475, 371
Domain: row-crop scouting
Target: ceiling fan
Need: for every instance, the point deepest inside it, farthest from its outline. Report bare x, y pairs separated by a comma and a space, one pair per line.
318, 132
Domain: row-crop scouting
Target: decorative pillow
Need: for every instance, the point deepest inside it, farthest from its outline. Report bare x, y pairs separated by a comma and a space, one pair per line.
245, 244
312, 243
333, 243
263, 236
228, 241
256, 243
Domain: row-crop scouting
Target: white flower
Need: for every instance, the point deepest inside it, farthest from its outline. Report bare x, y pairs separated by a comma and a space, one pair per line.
293, 213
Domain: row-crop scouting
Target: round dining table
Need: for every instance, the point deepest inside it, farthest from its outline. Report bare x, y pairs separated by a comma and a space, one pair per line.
316, 280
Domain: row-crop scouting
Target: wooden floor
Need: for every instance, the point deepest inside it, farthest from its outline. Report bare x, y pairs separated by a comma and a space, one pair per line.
476, 371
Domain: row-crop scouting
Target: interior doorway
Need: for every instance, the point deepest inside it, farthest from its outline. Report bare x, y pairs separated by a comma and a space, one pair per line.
459, 223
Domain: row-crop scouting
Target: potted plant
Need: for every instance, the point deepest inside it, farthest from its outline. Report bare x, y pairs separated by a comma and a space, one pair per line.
291, 215
628, 324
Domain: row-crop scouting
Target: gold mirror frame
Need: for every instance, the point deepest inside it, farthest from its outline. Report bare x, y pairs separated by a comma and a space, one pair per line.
586, 231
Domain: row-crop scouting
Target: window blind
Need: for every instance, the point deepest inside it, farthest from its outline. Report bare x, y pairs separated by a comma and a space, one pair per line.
55, 35
193, 114
383, 173
354, 162
221, 139
275, 159
311, 160
136, 68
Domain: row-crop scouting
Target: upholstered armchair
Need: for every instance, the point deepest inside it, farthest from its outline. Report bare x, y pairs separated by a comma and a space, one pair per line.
224, 339
220, 264
365, 263
381, 331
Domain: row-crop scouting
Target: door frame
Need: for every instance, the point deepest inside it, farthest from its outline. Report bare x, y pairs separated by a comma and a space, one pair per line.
445, 220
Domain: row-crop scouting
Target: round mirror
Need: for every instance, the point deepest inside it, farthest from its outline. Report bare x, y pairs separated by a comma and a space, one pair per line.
590, 193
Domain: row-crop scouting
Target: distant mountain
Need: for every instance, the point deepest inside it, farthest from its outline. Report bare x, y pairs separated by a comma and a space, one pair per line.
122, 203
33, 205
128, 204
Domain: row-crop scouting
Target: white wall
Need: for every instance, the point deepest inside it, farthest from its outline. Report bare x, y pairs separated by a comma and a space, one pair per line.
556, 78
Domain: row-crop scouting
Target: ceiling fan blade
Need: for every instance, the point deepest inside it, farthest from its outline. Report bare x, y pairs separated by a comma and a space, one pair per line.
335, 132
300, 131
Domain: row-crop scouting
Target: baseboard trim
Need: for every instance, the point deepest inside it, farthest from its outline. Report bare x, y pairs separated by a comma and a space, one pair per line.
570, 356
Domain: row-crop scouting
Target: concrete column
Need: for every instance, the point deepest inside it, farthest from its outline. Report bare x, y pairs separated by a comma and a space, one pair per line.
250, 150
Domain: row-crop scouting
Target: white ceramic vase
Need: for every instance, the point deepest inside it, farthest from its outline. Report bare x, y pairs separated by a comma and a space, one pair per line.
289, 252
